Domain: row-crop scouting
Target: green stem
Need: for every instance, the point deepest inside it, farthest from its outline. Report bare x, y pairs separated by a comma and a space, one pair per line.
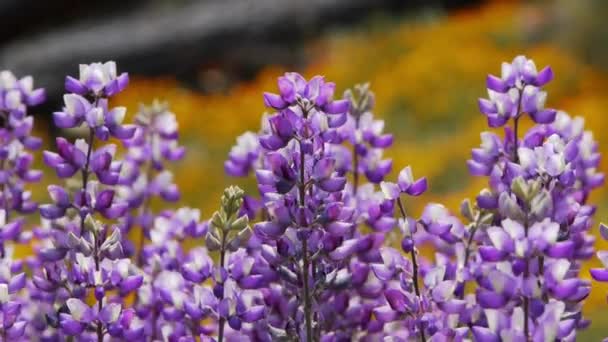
306, 266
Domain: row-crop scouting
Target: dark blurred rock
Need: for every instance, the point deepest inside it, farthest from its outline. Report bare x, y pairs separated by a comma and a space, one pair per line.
171, 37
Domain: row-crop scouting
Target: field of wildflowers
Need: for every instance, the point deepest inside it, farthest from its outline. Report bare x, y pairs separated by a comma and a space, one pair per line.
426, 78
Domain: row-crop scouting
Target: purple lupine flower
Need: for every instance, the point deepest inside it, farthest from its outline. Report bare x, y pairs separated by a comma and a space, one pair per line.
301, 180
143, 176
244, 156
294, 89
81, 256
16, 142
16, 95
366, 135
537, 234
87, 102
405, 184
517, 91
97, 79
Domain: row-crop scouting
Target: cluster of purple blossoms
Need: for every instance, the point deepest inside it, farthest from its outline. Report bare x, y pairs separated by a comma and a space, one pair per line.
322, 276
16, 160
82, 276
143, 174
16, 142
512, 271
330, 257
517, 91
531, 249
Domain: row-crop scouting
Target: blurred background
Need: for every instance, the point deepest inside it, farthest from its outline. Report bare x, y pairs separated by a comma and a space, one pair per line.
426, 62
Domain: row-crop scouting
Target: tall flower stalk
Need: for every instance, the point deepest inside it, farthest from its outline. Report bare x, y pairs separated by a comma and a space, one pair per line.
16, 144
144, 175
88, 252
539, 185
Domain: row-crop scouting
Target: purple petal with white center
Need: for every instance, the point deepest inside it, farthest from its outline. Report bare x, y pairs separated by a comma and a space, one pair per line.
566, 327
269, 229
599, 274
487, 201
115, 211
101, 161
545, 116
104, 199
385, 314
326, 93
562, 249
405, 178
566, 288
80, 311
65, 120
131, 283
486, 106
390, 190
274, 101
16, 331
515, 230
484, 334
59, 195
12, 230
500, 239
110, 313
16, 283
418, 188
337, 107
287, 89
323, 168
397, 300
377, 174
490, 300
251, 282
571, 151
272, 142
52, 254
443, 291
51, 211
70, 326
496, 84
453, 306
108, 178
253, 314
383, 141
491, 254
438, 228
171, 193
382, 272
332, 184
543, 77
338, 228
495, 120
384, 224
123, 131
73, 85
555, 165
